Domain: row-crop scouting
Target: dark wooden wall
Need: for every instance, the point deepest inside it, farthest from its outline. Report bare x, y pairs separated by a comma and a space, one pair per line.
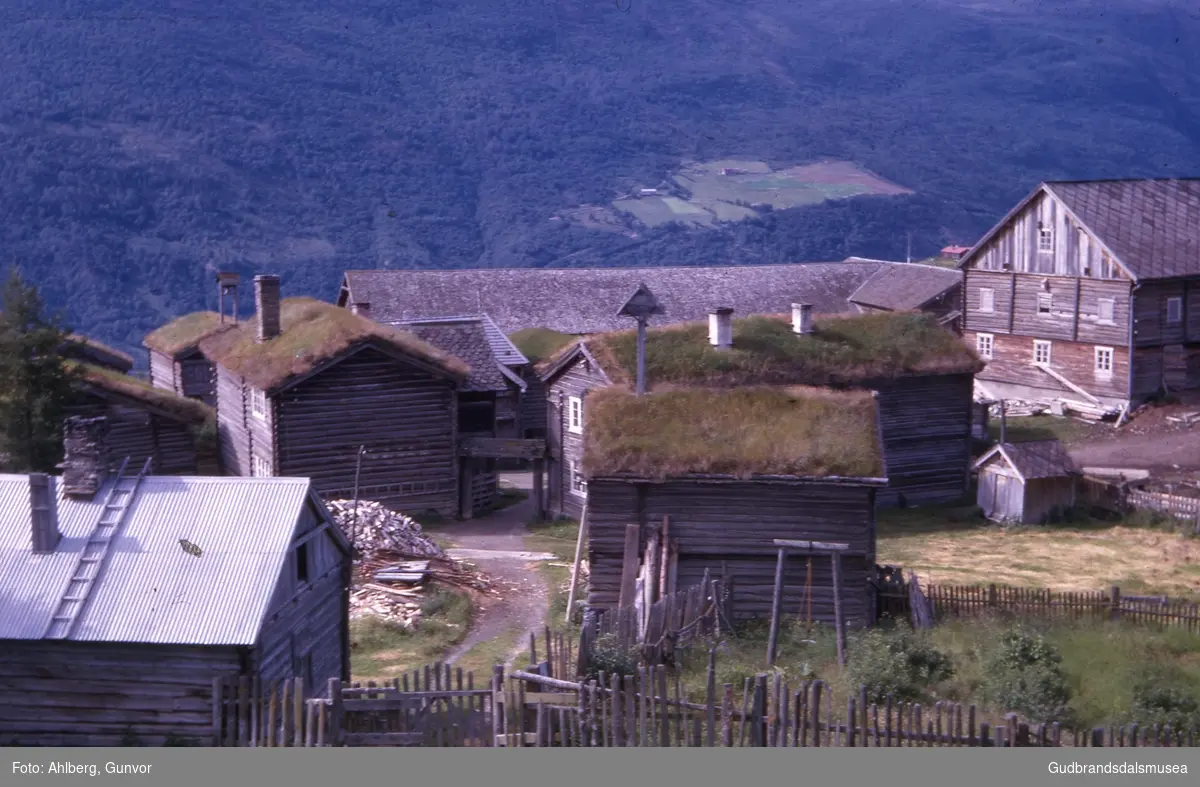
564, 445
405, 416
232, 430
140, 434
926, 434
735, 523
63, 693
192, 376
533, 406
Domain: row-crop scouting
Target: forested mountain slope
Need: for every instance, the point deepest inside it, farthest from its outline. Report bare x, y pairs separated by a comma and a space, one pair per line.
143, 145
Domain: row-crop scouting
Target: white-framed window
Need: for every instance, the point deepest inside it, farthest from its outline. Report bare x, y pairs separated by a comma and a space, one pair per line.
1045, 239
1041, 351
578, 483
575, 415
984, 342
987, 299
1045, 303
259, 467
1174, 310
1106, 311
1104, 362
258, 403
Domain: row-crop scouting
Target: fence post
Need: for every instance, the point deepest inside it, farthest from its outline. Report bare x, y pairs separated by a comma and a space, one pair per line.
991, 595
1098, 737
335, 712
759, 730
1114, 604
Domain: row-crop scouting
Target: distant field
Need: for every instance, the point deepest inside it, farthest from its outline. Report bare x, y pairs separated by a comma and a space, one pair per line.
726, 190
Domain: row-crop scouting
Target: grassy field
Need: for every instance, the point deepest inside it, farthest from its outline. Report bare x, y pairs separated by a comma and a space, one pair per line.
380, 650
1048, 427
955, 545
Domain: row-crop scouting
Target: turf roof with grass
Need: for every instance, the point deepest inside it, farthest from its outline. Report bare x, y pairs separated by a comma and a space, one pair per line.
760, 431
842, 350
312, 332
183, 334
88, 349
190, 411
538, 344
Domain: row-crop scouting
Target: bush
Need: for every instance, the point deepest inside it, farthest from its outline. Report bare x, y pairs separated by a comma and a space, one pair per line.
901, 663
1024, 675
1162, 697
612, 658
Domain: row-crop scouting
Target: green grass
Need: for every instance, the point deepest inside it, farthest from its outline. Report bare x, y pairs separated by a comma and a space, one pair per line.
841, 350
538, 344
183, 332
1048, 427
380, 649
763, 431
559, 538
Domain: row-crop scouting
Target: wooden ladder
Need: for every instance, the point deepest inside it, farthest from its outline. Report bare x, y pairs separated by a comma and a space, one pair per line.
92, 556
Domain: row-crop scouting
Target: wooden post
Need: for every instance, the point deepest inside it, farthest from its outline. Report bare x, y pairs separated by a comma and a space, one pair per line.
579, 545
641, 355
839, 621
776, 603
539, 489
1114, 604
629, 570
335, 712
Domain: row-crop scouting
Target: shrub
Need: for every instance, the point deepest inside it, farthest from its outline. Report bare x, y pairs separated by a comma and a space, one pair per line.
1025, 676
612, 658
901, 663
1163, 697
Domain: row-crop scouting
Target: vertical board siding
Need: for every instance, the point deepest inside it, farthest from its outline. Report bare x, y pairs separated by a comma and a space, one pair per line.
100, 694
404, 416
736, 524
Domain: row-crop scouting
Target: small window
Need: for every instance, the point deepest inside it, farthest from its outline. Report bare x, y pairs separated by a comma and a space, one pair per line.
258, 403
983, 344
987, 299
578, 483
302, 563
1104, 362
1106, 311
259, 467
1041, 351
575, 414
1174, 311
1045, 303
1045, 239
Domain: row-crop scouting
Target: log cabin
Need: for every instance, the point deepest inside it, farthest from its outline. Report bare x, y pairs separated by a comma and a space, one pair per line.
176, 363
921, 372
1087, 295
727, 471
305, 386
203, 578
177, 434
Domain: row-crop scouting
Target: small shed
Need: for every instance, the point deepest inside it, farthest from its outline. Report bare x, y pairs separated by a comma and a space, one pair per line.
1028, 482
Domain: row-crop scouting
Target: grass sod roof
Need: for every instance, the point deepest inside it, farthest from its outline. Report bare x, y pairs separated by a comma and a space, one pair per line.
87, 348
190, 411
183, 333
841, 350
312, 331
538, 344
743, 432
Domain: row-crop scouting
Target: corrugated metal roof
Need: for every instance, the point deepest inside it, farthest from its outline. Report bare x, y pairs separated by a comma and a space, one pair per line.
151, 590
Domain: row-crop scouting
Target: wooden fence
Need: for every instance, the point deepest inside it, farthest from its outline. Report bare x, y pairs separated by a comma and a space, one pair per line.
979, 600
1178, 506
663, 631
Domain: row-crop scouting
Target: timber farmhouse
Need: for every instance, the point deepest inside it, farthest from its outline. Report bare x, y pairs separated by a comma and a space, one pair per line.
123, 596
921, 373
721, 473
1086, 296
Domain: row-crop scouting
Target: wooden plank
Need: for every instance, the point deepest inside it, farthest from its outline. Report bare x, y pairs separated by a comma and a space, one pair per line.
776, 603
579, 546
629, 569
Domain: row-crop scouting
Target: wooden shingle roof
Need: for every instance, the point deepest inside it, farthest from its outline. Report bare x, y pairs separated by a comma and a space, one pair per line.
1152, 226
586, 300
906, 286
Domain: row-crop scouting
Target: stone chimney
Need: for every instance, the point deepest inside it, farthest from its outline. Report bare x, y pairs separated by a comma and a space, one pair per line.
266, 300
43, 513
85, 456
720, 328
802, 318
227, 287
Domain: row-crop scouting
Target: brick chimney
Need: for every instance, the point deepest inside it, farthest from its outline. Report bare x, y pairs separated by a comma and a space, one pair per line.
720, 328
85, 456
802, 318
43, 513
266, 300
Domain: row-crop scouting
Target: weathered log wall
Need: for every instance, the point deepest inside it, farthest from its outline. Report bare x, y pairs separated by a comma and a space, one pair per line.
735, 523
567, 445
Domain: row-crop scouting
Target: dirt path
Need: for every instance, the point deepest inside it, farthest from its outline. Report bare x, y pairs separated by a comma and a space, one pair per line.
496, 543
1160, 453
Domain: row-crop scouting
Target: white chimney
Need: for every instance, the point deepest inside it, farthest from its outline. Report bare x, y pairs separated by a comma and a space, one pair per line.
43, 513
802, 318
720, 328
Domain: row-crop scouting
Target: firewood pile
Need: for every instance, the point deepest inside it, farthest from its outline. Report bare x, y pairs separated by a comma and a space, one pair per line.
395, 560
